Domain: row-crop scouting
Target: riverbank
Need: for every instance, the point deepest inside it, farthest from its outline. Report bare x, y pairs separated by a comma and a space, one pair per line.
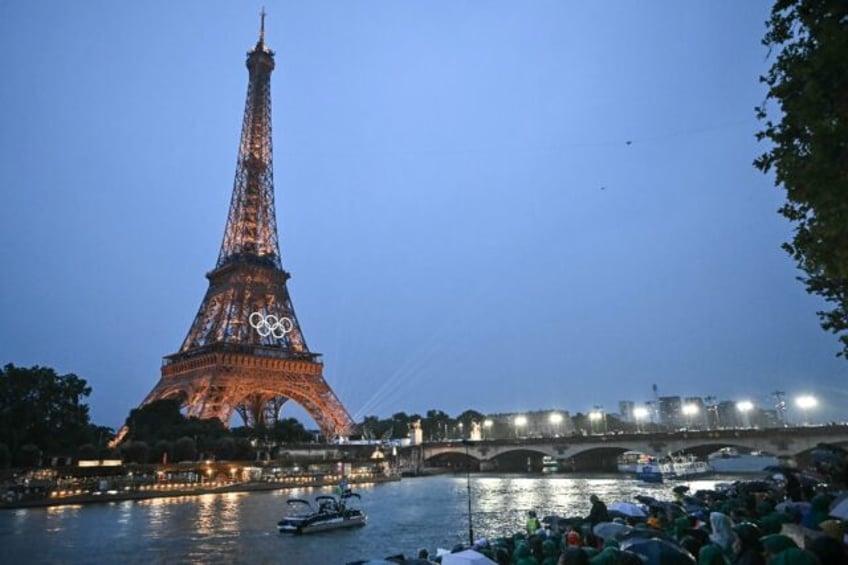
57, 498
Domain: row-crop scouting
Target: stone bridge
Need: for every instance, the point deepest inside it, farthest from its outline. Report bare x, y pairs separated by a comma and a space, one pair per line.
781, 442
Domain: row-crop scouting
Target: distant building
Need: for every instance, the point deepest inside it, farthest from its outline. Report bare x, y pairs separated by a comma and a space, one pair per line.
625, 409
727, 415
671, 412
768, 418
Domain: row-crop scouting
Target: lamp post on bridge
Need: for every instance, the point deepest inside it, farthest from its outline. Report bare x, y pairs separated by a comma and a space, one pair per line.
689, 410
556, 419
597, 415
520, 421
487, 427
805, 403
639, 414
745, 407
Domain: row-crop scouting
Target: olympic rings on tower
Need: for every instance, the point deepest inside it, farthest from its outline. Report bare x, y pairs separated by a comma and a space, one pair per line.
265, 325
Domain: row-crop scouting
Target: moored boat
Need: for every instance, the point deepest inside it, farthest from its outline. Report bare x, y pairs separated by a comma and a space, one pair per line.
631, 461
676, 468
331, 514
730, 460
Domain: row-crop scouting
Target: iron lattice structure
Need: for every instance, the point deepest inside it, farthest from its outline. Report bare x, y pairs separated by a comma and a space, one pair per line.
245, 351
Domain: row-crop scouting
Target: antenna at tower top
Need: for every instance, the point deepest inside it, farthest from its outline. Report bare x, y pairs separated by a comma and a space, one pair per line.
262, 26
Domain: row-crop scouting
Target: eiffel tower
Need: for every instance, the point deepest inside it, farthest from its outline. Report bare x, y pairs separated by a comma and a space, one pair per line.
245, 352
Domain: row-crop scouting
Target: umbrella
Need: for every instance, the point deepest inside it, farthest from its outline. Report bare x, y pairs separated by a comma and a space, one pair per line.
840, 509
610, 530
467, 557
647, 500
656, 551
802, 506
627, 509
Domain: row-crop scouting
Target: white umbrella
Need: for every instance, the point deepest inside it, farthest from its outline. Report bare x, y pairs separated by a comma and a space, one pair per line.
628, 509
467, 557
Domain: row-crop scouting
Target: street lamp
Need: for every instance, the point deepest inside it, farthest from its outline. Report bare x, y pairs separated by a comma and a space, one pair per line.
806, 402
487, 425
639, 414
520, 422
745, 406
460, 430
555, 419
594, 416
689, 410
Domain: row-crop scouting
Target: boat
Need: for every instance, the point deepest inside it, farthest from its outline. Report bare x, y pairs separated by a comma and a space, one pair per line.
676, 468
331, 514
549, 464
630, 461
729, 460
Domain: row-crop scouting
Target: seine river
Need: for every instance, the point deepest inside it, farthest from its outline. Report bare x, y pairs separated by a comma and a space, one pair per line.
403, 516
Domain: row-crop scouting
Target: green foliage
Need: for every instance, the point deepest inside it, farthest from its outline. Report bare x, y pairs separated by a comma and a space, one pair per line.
225, 448
136, 452
87, 452
809, 144
5, 456
162, 419
42, 408
161, 452
289, 430
185, 450
29, 455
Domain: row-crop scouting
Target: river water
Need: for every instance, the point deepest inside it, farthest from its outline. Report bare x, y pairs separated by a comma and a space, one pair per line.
403, 516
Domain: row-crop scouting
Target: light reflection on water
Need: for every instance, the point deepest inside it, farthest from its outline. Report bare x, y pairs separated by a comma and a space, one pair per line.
241, 527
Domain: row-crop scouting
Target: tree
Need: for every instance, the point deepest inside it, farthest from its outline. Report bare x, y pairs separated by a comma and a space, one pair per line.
436, 424
185, 449
136, 452
809, 144
42, 408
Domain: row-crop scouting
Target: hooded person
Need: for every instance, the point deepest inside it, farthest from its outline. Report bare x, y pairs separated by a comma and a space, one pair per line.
598, 513
573, 556
550, 554
533, 524
819, 510
829, 551
776, 543
573, 539
522, 555
719, 550
833, 528
609, 555
795, 556
750, 551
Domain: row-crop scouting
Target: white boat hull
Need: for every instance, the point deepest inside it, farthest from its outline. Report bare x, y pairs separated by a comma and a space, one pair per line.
743, 463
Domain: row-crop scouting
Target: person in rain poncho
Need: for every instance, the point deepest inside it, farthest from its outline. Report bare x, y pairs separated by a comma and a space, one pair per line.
533, 523
720, 549
598, 513
796, 556
750, 550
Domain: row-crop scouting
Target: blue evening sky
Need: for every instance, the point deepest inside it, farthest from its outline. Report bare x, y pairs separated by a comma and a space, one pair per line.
496, 205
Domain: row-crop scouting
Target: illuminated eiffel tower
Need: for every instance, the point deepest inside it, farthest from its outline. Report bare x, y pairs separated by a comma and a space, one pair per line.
245, 351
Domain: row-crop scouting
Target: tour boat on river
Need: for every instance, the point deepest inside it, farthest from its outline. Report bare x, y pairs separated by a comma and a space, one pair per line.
729, 460
332, 514
675, 468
